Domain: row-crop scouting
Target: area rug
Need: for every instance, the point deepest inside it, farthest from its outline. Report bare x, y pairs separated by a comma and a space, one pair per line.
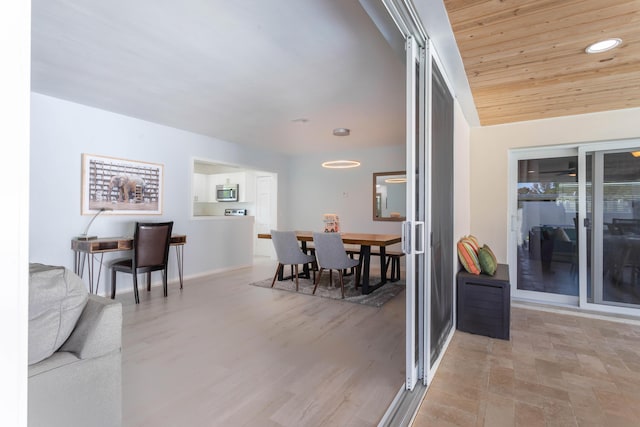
376, 298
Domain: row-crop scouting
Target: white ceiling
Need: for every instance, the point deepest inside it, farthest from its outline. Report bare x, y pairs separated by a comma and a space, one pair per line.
243, 71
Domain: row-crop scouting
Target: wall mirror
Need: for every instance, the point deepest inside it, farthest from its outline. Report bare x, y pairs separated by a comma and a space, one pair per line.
389, 196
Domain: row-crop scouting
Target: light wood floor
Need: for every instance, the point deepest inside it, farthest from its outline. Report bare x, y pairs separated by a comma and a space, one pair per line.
557, 370
222, 353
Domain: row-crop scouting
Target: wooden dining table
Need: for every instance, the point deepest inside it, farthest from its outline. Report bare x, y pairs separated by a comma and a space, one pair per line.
365, 241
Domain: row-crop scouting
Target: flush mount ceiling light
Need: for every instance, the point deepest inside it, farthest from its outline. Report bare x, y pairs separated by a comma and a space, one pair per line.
341, 132
341, 164
396, 180
603, 45
635, 153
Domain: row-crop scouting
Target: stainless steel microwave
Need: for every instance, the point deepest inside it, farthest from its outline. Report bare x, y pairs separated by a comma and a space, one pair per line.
227, 193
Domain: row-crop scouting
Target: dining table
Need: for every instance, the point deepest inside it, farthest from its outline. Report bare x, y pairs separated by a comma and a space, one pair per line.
366, 241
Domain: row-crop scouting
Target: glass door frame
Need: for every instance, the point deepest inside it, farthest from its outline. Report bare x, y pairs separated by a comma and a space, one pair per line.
415, 228
514, 221
596, 149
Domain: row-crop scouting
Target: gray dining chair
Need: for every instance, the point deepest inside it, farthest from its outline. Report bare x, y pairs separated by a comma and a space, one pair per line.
331, 255
289, 252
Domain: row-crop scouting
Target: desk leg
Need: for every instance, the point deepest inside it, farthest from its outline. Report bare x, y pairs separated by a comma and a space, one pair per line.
78, 263
91, 270
180, 260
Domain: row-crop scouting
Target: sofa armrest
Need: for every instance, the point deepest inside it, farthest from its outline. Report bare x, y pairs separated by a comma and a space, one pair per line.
98, 331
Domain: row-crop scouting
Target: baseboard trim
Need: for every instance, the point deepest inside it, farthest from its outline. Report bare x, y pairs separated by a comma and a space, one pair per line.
575, 311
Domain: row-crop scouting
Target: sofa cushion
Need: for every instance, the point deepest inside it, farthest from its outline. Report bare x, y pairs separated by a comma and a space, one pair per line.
56, 299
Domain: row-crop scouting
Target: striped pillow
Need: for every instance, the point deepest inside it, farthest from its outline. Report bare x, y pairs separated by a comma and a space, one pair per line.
468, 255
474, 241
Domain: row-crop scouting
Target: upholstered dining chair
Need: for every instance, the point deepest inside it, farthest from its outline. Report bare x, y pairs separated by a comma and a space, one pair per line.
289, 252
150, 253
331, 255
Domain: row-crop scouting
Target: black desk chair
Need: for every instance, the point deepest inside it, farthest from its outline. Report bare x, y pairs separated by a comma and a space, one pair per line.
150, 253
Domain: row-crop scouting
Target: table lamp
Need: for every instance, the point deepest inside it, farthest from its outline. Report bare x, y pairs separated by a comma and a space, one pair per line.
85, 236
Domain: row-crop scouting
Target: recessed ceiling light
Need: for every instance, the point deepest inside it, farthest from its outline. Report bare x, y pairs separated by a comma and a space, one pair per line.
341, 164
603, 45
341, 132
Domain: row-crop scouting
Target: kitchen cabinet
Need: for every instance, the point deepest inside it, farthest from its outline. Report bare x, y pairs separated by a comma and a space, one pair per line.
201, 188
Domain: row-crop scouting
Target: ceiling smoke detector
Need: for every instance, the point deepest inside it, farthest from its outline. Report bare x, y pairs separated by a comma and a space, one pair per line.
341, 132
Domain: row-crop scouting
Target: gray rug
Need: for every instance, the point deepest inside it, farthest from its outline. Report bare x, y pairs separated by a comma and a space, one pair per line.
376, 298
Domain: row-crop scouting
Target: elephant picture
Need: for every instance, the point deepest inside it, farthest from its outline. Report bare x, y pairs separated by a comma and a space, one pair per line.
127, 186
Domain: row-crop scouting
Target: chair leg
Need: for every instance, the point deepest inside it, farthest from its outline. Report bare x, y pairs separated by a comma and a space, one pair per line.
317, 281
276, 275
341, 282
148, 281
135, 287
164, 281
296, 268
113, 284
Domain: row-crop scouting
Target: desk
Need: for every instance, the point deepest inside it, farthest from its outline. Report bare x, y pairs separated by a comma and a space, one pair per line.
365, 240
86, 248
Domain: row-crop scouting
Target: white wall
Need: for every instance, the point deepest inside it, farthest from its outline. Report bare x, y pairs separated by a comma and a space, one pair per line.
461, 174
315, 190
490, 147
61, 131
15, 30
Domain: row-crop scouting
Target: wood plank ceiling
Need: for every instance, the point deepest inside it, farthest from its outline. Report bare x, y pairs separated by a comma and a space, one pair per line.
525, 60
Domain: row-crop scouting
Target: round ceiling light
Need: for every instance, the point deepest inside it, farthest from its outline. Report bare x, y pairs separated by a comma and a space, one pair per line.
341, 132
603, 45
341, 164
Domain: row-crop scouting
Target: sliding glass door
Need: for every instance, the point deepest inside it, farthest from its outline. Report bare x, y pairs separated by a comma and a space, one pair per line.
441, 299
575, 223
429, 227
546, 215
611, 227
414, 226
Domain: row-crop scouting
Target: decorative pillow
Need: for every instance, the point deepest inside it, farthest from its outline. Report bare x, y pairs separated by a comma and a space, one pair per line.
56, 299
474, 241
468, 256
488, 261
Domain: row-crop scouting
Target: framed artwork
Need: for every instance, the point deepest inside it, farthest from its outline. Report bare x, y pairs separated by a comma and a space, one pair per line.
122, 186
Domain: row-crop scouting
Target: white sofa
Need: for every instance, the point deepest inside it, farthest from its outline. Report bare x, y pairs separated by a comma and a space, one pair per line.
74, 352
